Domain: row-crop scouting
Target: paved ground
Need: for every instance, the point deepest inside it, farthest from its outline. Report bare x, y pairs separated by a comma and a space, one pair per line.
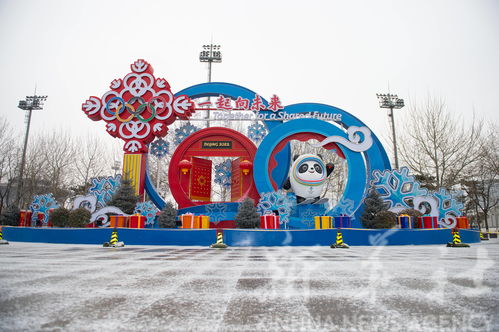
56, 287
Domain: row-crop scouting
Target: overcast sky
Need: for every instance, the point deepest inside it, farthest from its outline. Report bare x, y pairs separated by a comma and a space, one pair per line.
336, 52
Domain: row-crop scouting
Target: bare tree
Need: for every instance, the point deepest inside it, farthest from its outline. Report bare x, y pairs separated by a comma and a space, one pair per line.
8, 162
482, 181
92, 158
438, 146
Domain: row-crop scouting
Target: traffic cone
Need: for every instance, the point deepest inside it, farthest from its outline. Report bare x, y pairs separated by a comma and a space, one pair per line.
483, 237
114, 240
220, 241
339, 241
456, 240
2, 241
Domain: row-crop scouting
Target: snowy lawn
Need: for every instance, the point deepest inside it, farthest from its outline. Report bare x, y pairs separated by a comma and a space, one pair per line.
56, 287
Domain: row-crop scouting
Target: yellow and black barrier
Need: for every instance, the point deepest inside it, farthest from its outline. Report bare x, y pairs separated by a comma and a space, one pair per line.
456, 240
339, 241
2, 241
220, 241
114, 240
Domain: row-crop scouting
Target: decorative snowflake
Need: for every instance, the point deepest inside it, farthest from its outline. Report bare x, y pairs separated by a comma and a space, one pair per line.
447, 204
148, 210
344, 207
279, 201
223, 173
397, 187
160, 148
182, 132
103, 188
217, 212
42, 204
307, 216
257, 132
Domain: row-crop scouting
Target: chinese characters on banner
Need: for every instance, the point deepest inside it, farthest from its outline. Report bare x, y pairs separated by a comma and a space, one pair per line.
244, 104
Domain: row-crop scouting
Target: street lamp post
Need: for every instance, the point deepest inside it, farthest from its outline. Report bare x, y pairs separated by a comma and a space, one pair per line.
116, 167
391, 102
210, 53
30, 104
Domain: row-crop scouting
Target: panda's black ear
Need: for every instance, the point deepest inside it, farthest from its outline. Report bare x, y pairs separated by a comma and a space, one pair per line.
329, 168
295, 157
320, 156
287, 184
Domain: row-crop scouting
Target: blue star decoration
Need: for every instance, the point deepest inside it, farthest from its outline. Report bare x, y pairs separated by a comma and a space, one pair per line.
183, 132
160, 148
148, 210
223, 173
257, 132
42, 204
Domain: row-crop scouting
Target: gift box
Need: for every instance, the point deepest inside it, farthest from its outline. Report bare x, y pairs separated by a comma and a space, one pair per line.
25, 218
188, 220
204, 221
427, 222
404, 221
342, 222
269, 221
39, 219
463, 222
136, 221
117, 221
323, 222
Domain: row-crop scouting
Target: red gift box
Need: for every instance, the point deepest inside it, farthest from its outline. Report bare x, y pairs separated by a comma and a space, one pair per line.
136, 221
428, 222
463, 222
25, 218
269, 221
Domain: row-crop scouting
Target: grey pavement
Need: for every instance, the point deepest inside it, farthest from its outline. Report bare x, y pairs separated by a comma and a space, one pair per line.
56, 287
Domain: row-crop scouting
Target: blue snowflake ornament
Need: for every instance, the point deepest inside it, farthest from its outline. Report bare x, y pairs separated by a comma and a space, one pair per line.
42, 204
182, 132
223, 173
217, 212
397, 187
279, 201
447, 204
103, 188
148, 210
257, 132
344, 207
160, 148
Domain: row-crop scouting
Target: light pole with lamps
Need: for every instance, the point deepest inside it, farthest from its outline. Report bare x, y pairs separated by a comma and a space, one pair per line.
391, 102
210, 53
30, 104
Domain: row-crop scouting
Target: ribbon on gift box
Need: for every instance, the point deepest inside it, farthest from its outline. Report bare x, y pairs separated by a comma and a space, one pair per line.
323, 222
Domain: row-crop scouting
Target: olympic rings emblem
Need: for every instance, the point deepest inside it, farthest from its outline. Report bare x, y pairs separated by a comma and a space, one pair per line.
120, 106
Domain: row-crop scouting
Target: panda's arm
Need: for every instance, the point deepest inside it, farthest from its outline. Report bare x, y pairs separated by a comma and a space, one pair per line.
287, 184
329, 168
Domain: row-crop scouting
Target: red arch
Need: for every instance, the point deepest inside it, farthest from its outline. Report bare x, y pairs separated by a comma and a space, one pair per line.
245, 148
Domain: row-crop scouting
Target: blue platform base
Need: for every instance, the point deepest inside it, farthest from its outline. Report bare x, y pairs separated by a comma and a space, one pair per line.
238, 237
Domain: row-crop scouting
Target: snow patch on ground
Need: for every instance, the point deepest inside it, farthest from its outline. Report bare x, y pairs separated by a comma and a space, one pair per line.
156, 288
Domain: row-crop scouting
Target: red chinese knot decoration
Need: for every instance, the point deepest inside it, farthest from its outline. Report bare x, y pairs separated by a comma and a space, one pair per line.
138, 107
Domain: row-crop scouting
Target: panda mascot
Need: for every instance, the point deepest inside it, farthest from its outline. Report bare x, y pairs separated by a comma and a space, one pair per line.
307, 178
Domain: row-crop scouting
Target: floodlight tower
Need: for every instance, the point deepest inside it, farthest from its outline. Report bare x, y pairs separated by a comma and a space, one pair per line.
210, 53
391, 102
30, 104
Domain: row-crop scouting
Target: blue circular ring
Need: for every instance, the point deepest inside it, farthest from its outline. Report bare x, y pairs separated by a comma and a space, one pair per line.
110, 100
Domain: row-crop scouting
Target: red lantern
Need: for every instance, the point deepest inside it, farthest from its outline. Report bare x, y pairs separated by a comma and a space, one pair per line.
246, 166
185, 165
